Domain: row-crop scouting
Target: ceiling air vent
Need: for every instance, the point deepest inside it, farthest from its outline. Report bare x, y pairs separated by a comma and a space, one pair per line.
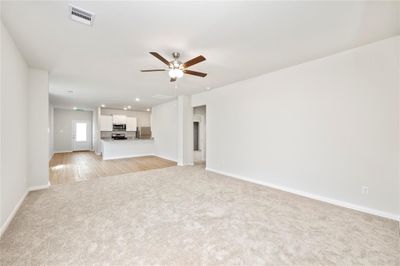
81, 15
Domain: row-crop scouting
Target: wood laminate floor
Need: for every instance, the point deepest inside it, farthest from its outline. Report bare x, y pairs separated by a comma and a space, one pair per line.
78, 166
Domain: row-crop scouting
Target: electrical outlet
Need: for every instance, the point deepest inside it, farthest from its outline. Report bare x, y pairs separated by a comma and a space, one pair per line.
364, 190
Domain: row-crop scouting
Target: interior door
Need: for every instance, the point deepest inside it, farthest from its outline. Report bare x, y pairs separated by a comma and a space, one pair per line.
81, 135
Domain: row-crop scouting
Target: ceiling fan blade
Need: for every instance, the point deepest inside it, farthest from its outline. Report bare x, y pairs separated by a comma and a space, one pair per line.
195, 73
152, 70
165, 61
194, 61
172, 79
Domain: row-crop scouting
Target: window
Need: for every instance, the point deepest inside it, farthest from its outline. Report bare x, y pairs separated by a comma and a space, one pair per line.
81, 131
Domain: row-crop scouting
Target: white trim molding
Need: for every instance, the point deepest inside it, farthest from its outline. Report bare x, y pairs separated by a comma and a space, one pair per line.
62, 151
185, 164
126, 156
18, 205
344, 204
166, 157
33, 188
51, 156
12, 214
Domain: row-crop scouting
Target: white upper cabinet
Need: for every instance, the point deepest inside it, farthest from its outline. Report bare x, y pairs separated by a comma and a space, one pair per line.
131, 124
119, 119
106, 123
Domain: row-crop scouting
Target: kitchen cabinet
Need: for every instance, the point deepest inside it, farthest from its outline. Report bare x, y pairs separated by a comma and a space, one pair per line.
106, 123
119, 119
131, 123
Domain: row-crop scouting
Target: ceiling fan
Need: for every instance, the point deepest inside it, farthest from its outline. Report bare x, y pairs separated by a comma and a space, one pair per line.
176, 68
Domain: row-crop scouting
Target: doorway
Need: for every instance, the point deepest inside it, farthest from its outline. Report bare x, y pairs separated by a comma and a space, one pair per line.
81, 135
196, 136
199, 134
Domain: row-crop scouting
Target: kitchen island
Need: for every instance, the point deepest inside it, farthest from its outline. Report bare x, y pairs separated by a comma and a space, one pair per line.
126, 148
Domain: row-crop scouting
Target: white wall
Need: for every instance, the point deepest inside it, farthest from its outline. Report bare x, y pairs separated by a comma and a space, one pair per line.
14, 126
185, 130
38, 126
51, 131
63, 127
326, 127
164, 124
2, 216
96, 131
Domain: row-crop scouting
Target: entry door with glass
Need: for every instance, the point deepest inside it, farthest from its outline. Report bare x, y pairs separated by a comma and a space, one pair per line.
81, 135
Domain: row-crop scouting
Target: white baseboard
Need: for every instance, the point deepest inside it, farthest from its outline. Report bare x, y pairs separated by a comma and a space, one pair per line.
344, 204
165, 157
62, 151
185, 164
12, 214
139, 155
127, 156
51, 156
18, 205
33, 188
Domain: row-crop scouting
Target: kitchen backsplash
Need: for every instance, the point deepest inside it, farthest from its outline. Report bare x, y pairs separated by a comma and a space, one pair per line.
107, 134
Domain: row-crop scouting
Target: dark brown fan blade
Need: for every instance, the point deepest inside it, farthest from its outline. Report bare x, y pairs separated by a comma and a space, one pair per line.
191, 72
172, 79
152, 70
194, 61
165, 61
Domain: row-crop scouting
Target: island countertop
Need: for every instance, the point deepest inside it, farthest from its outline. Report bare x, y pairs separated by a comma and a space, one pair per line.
125, 140
126, 148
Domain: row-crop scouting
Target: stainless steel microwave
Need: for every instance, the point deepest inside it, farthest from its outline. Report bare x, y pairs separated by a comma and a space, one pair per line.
119, 127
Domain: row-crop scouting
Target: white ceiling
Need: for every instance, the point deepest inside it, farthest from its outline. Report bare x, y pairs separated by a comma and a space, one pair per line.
239, 39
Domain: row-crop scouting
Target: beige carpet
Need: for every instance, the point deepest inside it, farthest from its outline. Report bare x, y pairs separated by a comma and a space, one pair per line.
187, 216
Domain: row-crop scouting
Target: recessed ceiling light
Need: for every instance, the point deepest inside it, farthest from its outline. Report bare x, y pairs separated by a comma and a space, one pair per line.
103, 105
129, 107
137, 99
75, 108
148, 109
125, 108
208, 88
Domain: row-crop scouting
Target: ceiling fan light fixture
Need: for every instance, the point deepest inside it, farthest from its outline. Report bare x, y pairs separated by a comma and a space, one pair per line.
176, 64
175, 73
176, 68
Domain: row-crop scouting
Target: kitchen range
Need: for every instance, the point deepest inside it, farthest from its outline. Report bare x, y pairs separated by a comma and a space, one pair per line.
124, 136
115, 136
